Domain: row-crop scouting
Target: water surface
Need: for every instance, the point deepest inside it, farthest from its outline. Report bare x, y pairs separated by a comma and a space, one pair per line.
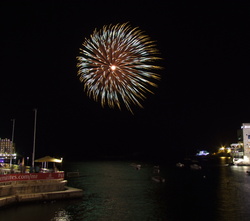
116, 190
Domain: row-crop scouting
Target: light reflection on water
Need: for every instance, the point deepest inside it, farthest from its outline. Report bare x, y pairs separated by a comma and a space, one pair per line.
115, 190
234, 193
61, 215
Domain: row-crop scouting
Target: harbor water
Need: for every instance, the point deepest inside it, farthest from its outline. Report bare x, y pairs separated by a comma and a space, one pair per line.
119, 190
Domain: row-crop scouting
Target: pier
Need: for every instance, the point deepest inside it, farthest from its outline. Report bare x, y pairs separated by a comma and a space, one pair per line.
28, 187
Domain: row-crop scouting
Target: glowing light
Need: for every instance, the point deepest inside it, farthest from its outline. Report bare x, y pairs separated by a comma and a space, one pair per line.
116, 66
113, 67
245, 126
202, 153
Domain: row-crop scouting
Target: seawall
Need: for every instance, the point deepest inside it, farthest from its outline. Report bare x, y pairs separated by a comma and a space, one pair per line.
36, 190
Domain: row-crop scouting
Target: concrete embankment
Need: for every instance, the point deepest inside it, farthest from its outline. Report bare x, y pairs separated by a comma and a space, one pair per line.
16, 192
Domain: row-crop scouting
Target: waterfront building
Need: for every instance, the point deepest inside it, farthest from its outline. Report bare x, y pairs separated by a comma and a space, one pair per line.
240, 151
237, 150
246, 141
7, 150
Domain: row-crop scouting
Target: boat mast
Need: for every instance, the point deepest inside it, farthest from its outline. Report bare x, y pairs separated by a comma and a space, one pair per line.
34, 140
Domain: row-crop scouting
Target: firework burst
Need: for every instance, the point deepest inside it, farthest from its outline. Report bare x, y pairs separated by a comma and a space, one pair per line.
116, 65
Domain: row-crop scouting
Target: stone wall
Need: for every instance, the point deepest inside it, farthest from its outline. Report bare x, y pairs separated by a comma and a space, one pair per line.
27, 187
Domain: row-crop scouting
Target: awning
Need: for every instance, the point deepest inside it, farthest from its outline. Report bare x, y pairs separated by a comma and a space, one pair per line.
48, 159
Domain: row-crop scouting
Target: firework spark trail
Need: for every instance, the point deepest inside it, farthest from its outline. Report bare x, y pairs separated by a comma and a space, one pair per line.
116, 65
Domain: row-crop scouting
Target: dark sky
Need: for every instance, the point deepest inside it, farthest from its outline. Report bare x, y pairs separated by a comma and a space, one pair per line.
201, 101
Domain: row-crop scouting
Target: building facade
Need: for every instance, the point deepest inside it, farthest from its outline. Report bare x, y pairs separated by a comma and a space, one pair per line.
241, 150
246, 141
7, 150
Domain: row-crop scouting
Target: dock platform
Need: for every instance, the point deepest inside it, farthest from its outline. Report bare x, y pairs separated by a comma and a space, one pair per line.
30, 190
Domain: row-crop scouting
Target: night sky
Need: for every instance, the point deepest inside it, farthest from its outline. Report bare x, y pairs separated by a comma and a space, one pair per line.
201, 101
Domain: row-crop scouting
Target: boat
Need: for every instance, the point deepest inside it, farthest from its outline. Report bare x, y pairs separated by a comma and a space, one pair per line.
158, 179
195, 167
156, 169
180, 165
136, 166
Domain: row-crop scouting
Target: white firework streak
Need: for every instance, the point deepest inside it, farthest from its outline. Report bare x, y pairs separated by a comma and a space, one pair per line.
116, 65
